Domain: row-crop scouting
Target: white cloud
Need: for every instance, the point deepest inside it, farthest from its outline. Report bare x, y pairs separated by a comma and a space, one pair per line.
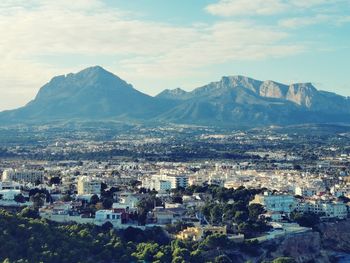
296, 22
246, 7
227, 8
33, 29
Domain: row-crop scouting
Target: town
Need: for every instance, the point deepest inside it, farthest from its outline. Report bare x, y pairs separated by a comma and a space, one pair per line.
246, 185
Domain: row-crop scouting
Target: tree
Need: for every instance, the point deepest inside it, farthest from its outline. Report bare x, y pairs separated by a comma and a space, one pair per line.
55, 180
107, 226
255, 210
146, 251
222, 259
19, 198
38, 200
240, 217
177, 199
94, 199
66, 198
103, 186
182, 253
306, 219
107, 203
284, 260
216, 214
297, 167
216, 241
29, 213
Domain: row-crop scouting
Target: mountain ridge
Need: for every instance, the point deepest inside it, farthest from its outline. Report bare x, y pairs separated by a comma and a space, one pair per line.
97, 94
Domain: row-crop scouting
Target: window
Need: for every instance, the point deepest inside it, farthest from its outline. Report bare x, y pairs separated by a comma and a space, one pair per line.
108, 216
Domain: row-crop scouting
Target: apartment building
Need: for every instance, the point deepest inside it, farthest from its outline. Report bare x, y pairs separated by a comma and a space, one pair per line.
282, 203
89, 185
23, 175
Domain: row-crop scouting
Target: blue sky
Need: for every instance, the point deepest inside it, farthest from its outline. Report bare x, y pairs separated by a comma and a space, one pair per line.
158, 44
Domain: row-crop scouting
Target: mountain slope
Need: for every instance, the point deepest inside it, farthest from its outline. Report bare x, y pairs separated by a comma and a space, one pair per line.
96, 94
174, 94
240, 100
93, 93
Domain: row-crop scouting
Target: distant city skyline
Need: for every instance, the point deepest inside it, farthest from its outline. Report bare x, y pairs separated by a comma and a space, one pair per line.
157, 45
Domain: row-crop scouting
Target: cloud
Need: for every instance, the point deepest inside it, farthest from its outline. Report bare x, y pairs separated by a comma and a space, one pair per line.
246, 7
220, 43
33, 30
297, 22
227, 8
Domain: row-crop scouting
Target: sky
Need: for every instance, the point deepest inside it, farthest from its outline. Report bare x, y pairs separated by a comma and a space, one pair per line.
159, 44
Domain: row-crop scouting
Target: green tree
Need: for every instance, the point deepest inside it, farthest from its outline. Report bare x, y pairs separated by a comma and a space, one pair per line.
222, 259
183, 253
306, 220
240, 217
284, 260
107, 203
66, 198
255, 210
38, 200
216, 214
216, 241
94, 199
19, 198
29, 213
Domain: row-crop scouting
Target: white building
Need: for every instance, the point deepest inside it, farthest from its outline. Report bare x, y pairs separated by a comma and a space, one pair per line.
177, 181
162, 185
23, 175
10, 186
164, 182
276, 202
9, 195
88, 185
103, 216
326, 209
305, 191
340, 190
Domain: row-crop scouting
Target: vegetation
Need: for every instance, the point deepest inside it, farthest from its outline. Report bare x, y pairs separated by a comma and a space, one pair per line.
306, 219
26, 238
229, 206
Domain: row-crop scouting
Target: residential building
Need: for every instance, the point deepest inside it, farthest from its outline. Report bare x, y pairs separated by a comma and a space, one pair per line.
305, 191
88, 185
103, 216
23, 175
282, 203
324, 208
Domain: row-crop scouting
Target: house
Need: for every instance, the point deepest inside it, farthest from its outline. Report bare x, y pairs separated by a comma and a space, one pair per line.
164, 216
112, 216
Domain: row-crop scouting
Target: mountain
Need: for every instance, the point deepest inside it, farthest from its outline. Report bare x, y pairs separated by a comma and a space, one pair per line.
92, 93
173, 94
239, 100
96, 94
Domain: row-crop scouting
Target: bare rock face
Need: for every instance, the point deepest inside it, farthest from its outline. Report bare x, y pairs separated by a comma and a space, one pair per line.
304, 247
271, 89
302, 94
336, 236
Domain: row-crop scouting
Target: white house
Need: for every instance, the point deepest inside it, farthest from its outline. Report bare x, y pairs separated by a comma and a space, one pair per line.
103, 216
